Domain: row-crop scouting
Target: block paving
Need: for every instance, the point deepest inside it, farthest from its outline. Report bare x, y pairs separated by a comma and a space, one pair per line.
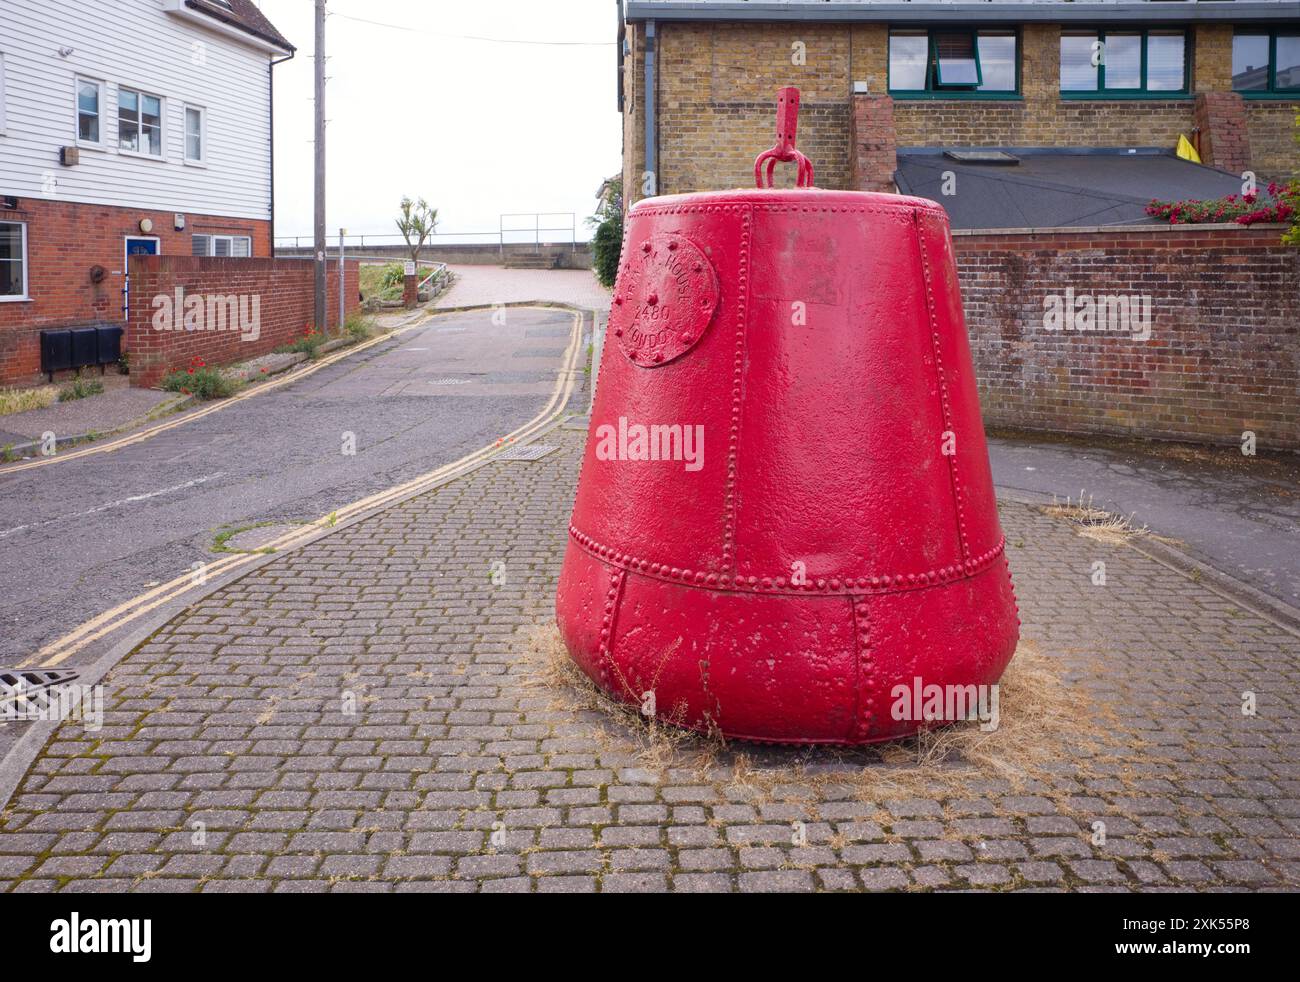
365, 714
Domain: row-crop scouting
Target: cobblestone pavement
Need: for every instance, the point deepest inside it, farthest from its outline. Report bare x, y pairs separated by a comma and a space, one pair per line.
361, 714
496, 284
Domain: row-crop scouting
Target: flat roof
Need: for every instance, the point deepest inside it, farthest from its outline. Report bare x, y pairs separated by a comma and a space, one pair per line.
1002, 11
1053, 188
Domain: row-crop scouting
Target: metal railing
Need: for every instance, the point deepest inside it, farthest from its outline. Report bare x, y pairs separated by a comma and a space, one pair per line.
538, 228
439, 271
509, 232
360, 240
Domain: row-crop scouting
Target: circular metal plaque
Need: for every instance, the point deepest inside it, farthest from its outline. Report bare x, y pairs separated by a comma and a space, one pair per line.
664, 300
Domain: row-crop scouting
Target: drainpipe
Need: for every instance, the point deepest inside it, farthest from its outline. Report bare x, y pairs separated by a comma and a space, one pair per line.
651, 162
270, 92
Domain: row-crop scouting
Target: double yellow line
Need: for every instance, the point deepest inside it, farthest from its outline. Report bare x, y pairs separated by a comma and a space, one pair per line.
132, 610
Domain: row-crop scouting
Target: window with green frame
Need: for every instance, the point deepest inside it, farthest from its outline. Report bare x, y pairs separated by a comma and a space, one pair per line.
1266, 62
1138, 62
953, 62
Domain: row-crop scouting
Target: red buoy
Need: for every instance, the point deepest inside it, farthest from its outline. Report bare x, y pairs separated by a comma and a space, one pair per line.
785, 521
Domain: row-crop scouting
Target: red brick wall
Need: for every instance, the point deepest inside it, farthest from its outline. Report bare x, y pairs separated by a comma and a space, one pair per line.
286, 305
64, 240
1224, 350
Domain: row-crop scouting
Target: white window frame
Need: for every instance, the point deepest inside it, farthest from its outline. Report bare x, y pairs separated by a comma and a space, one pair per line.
212, 245
162, 123
27, 266
202, 159
101, 144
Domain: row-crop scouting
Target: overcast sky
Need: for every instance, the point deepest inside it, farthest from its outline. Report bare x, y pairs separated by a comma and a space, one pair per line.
477, 127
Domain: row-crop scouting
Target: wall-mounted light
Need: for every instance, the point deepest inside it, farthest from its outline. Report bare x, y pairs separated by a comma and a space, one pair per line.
146, 225
64, 52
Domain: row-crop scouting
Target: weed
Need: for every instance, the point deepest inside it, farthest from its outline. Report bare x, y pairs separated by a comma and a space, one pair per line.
201, 380
1095, 523
21, 400
80, 388
359, 328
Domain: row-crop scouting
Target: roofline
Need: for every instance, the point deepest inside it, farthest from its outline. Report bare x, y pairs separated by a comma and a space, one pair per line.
216, 21
1081, 11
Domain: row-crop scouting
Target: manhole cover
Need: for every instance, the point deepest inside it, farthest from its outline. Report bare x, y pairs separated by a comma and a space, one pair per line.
533, 451
547, 332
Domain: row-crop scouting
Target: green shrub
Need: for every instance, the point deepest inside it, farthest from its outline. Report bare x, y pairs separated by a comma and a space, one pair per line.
394, 276
606, 248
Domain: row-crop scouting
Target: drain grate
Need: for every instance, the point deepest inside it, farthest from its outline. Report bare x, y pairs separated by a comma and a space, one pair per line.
533, 451
23, 681
448, 381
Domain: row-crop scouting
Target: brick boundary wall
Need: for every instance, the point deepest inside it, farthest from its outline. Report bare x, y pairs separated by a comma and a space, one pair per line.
65, 240
1224, 351
286, 304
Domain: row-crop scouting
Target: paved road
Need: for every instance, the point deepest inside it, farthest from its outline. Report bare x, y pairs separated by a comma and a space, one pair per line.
496, 284
78, 537
1238, 514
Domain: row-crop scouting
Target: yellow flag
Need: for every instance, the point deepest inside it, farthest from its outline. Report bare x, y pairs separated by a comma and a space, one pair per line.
1186, 150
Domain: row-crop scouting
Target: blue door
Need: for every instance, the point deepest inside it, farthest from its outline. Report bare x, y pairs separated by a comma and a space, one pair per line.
135, 246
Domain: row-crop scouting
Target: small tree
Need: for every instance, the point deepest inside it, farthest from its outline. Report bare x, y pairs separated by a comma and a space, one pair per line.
607, 243
416, 223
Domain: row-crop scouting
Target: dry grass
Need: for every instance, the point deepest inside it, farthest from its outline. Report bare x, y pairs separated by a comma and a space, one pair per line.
1044, 722
656, 744
1095, 523
21, 400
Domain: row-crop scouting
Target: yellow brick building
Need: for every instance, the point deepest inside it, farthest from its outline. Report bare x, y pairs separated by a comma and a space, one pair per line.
881, 80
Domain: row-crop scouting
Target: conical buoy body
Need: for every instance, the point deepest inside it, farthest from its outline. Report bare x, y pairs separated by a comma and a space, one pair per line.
785, 511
